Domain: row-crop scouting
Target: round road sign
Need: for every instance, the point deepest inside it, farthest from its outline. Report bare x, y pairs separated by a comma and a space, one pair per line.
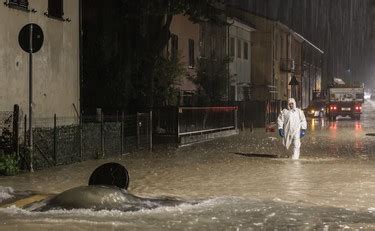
31, 45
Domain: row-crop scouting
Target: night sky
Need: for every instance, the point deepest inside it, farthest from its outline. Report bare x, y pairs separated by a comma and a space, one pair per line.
344, 29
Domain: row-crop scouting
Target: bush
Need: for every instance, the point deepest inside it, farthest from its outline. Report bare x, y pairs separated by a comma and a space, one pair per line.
168, 74
212, 80
9, 164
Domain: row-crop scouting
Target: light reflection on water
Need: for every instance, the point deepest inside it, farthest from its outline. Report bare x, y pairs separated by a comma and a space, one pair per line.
333, 129
295, 182
313, 125
358, 127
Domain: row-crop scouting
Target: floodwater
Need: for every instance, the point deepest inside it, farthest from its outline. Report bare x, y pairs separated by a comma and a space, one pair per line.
232, 181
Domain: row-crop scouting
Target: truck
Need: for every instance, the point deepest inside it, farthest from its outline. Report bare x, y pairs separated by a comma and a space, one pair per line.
345, 100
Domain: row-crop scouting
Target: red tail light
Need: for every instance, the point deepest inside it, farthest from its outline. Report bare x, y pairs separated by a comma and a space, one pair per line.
358, 108
333, 108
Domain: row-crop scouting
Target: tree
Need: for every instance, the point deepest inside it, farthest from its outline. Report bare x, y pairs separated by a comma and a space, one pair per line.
152, 33
134, 36
168, 72
212, 80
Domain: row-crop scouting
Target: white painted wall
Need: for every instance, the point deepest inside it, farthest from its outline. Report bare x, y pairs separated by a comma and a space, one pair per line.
240, 68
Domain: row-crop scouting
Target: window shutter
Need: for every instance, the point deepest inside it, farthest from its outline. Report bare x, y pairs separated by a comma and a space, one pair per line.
55, 8
174, 46
20, 3
191, 53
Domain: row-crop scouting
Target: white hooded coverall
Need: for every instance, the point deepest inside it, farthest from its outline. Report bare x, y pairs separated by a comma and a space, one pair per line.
292, 120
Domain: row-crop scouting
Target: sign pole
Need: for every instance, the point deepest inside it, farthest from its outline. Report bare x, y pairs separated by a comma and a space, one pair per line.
31, 40
31, 99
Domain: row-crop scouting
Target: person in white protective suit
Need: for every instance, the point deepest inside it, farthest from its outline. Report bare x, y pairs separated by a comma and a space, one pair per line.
292, 127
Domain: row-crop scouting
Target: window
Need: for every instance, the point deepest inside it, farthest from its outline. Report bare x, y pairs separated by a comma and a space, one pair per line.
232, 93
191, 53
239, 49
55, 8
213, 46
174, 46
187, 98
278, 54
19, 3
246, 50
231, 47
359, 96
282, 47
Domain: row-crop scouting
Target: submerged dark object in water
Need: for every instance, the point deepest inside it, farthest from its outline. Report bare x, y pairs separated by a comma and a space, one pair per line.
106, 191
111, 174
97, 197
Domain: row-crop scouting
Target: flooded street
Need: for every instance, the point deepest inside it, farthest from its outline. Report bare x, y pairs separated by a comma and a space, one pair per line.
227, 184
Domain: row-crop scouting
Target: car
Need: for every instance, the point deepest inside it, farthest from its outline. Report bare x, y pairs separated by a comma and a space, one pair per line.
316, 109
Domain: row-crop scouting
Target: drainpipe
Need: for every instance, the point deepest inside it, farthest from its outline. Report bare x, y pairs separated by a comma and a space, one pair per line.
228, 53
273, 94
80, 44
288, 44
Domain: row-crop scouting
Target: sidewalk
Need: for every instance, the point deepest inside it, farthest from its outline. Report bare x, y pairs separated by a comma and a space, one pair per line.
254, 143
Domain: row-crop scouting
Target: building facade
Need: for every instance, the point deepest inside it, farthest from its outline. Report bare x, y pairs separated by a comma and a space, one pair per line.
239, 51
185, 43
56, 66
278, 66
288, 63
215, 44
312, 74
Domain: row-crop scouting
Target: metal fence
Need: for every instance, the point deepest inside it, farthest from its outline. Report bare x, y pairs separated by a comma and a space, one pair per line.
9, 130
173, 123
258, 113
66, 140
192, 120
62, 140
6, 130
6, 120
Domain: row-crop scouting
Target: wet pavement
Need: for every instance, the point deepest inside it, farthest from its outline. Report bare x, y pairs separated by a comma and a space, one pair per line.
235, 182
